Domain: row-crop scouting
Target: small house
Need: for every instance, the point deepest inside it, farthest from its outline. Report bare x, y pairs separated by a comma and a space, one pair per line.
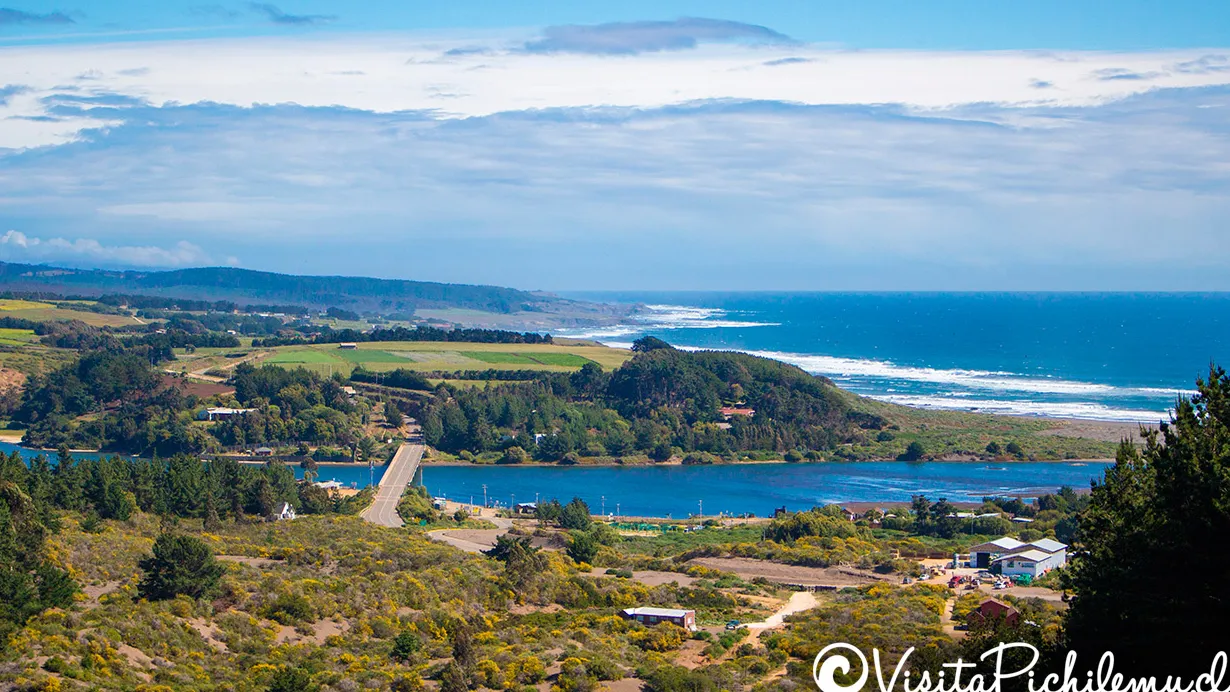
263, 451
347, 346
649, 615
287, 512
526, 508
991, 610
222, 413
729, 412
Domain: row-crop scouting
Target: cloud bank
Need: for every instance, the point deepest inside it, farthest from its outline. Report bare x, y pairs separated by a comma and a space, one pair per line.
275, 15
9, 15
648, 154
630, 38
18, 247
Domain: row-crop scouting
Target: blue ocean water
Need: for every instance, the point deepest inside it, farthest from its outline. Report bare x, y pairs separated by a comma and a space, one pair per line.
760, 488
1097, 356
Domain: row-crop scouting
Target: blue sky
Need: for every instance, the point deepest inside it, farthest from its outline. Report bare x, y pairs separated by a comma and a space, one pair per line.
674, 145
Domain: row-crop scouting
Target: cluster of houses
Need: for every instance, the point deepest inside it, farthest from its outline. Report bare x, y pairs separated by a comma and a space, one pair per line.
1011, 557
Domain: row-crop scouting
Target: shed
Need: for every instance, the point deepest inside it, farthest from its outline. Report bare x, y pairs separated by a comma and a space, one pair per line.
263, 451
348, 345
649, 615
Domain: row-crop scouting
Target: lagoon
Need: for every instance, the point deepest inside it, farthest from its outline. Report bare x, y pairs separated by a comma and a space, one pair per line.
679, 491
349, 475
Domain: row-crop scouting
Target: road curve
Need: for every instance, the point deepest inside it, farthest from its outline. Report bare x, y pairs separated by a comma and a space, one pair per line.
383, 509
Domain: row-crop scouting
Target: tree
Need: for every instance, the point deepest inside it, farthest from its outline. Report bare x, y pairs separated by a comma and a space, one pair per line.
1014, 448
993, 448
405, 646
393, 415
582, 547
575, 515
1158, 508
646, 344
367, 447
180, 565
913, 452
514, 455
292, 679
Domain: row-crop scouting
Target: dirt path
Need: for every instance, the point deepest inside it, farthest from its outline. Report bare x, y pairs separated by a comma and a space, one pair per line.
799, 602
473, 540
947, 623
749, 569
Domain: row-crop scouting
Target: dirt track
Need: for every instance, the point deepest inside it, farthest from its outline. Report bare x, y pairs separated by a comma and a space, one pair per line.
748, 568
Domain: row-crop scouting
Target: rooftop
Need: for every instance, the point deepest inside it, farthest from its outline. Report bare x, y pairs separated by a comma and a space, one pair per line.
999, 544
1032, 555
1049, 545
657, 612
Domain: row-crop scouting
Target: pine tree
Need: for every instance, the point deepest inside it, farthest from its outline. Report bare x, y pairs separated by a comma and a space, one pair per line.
1158, 510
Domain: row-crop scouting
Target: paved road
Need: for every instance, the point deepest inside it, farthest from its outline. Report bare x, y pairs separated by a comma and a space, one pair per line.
383, 510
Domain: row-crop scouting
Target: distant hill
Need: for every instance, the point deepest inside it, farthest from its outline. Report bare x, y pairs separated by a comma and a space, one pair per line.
246, 286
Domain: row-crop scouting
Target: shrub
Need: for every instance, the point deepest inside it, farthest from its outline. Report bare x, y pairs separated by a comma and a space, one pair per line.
288, 609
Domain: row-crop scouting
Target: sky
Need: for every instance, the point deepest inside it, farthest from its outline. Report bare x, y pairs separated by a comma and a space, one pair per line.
776, 145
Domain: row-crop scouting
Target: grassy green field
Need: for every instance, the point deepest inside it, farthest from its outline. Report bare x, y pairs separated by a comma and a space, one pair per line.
45, 312
449, 357
16, 337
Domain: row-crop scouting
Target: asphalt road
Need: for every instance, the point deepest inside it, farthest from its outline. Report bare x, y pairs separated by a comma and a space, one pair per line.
383, 510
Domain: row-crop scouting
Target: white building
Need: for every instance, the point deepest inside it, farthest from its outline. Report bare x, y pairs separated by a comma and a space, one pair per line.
1035, 558
222, 413
981, 556
287, 512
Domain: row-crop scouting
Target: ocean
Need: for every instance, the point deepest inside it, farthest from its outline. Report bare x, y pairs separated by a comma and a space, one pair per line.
1093, 356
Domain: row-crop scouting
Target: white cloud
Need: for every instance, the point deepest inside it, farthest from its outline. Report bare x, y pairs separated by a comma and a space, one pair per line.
18, 247
405, 72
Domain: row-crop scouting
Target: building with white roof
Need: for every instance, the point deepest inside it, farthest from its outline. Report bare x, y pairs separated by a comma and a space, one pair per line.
984, 554
1012, 557
222, 413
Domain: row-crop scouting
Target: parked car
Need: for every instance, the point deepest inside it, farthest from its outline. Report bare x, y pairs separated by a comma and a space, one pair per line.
732, 625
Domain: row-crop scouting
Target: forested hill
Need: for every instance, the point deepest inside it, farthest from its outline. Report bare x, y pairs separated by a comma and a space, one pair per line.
661, 403
248, 286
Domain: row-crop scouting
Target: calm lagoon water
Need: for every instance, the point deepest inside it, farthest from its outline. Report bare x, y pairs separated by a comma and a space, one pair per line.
735, 488
356, 475
682, 490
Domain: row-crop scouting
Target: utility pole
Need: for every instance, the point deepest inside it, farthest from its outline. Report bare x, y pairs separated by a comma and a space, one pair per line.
484, 494
616, 511
604, 505
700, 508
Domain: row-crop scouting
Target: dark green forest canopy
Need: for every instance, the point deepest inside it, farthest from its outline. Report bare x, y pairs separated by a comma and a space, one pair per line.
245, 286
661, 399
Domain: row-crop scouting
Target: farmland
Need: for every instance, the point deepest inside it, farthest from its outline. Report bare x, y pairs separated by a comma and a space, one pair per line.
47, 312
430, 356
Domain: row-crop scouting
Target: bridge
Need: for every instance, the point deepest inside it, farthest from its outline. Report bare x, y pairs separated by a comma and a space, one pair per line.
405, 469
